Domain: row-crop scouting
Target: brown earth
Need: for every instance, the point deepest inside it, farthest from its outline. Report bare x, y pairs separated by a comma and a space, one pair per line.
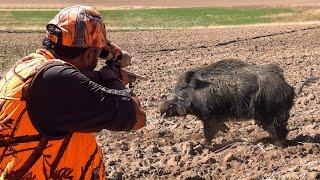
154, 3
173, 148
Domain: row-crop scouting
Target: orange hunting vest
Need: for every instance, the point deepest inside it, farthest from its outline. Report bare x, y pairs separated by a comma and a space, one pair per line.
27, 154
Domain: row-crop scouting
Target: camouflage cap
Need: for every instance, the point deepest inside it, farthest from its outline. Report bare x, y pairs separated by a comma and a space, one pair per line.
77, 26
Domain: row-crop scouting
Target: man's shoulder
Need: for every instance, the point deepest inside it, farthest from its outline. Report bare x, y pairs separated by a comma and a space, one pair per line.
57, 69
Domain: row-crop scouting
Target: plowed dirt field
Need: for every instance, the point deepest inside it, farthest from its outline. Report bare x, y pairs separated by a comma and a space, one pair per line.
173, 148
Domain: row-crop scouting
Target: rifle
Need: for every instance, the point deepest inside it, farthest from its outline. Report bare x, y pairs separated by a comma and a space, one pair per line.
122, 61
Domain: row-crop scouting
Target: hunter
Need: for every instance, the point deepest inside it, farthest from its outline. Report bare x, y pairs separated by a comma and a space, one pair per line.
53, 101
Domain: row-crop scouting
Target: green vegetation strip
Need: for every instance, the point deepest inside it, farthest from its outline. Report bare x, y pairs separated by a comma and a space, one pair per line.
165, 18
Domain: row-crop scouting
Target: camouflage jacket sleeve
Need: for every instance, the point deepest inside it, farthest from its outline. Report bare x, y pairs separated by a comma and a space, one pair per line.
63, 100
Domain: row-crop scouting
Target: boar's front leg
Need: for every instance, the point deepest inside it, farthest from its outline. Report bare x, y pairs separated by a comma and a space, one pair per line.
223, 127
276, 126
279, 131
210, 129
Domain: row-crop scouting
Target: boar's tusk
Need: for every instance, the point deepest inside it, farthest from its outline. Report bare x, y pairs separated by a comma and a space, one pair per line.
164, 115
180, 98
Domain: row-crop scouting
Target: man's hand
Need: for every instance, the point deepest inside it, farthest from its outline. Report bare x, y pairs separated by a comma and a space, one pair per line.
125, 59
141, 117
121, 60
124, 77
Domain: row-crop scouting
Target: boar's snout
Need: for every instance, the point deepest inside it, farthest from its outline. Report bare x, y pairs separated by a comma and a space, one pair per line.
169, 108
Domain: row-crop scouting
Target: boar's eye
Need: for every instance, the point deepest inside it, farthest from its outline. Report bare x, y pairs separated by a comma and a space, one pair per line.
183, 88
179, 88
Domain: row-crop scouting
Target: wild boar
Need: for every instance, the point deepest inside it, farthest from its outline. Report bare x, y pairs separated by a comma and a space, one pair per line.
233, 90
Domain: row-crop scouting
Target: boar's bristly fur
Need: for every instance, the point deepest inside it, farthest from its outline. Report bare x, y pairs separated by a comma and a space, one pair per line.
232, 89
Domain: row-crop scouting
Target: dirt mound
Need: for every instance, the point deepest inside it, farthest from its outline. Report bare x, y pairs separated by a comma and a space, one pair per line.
173, 148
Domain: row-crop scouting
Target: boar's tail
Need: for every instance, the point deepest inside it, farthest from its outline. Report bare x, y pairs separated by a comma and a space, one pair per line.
306, 82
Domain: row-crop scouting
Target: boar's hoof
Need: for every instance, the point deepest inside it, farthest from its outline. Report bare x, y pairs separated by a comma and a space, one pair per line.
206, 143
281, 143
224, 128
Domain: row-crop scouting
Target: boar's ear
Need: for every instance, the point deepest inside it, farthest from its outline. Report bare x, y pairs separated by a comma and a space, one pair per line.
189, 76
199, 84
192, 80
